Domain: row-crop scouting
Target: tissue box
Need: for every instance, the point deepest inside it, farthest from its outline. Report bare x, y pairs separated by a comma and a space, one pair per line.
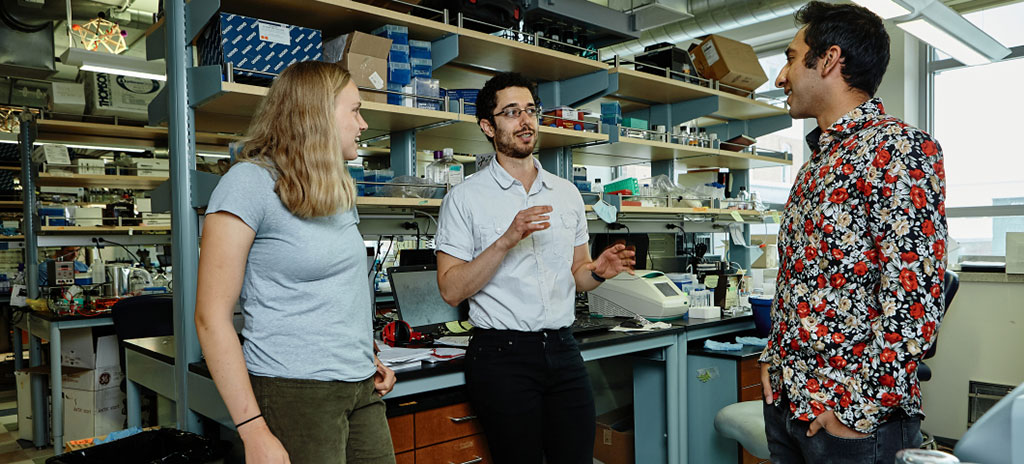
256, 44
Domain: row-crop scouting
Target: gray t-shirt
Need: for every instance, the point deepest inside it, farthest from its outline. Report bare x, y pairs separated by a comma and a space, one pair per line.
305, 296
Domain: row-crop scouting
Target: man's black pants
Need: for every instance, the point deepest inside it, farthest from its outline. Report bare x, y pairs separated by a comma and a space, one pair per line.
532, 395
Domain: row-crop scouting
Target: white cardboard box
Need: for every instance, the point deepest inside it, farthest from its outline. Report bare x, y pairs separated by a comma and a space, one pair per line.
152, 167
121, 96
79, 349
92, 413
144, 205
90, 166
101, 378
68, 98
24, 387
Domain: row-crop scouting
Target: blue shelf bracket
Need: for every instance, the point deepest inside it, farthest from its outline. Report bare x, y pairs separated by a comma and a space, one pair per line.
203, 184
156, 43
403, 153
204, 84
158, 110
579, 90
557, 161
197, 15
752, 127
665, 167
674, 114
444, 50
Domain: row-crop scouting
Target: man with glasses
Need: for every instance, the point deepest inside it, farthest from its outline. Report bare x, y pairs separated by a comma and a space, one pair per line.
513, 239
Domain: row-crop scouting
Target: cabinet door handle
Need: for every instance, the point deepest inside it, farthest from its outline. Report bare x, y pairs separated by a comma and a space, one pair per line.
475, 460
459, 420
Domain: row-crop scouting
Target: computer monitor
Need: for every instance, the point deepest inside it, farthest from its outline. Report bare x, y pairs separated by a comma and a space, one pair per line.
418, 300
412, 257
601, 242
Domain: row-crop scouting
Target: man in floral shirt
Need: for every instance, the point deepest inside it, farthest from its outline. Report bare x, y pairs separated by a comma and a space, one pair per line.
861, 253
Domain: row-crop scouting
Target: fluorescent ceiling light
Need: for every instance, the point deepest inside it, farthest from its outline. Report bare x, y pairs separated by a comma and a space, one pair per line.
887, 9
940, 39
120, 65
945, 29
82, 147
214, 155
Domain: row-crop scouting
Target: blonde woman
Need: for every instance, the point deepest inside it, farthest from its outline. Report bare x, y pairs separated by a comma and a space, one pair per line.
280, 237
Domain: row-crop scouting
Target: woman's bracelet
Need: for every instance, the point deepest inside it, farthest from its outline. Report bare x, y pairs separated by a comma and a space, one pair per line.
248, 420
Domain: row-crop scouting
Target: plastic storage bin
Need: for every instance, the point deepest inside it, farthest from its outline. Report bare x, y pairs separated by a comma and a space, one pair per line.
762, 308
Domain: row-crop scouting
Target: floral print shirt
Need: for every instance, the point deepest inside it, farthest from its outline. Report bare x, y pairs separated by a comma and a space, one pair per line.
861, 261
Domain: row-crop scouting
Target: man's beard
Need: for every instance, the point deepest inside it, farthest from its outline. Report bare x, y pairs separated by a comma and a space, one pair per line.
506, 143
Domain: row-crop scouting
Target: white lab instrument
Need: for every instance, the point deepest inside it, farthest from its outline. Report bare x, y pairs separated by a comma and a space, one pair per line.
647, 293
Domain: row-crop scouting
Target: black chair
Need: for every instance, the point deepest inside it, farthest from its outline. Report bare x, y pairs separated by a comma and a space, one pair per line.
952, 284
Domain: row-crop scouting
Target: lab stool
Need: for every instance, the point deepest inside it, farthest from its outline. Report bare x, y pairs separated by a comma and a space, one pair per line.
744, 422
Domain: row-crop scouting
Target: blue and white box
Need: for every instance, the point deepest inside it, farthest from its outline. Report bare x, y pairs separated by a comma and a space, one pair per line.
420, 49
251, 44
399, 53
422, 67
399, 73
397, 34
468, 97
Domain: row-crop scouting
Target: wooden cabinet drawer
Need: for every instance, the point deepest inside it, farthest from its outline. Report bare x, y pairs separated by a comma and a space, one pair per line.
445, 423
408, 457
750, 372
748, 458
467, 450
751, 393
402, 430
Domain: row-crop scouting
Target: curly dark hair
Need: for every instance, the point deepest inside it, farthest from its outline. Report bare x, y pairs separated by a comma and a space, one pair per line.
857, 31
487, 99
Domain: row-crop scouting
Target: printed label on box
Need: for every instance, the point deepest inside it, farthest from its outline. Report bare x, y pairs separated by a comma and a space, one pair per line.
56, 154
376, 80
275, 33
710, 52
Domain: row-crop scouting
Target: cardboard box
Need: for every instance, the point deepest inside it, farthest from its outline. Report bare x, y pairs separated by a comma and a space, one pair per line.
613, 439
30, 93
730, 62
79, 349
1015, 252
770, 251
122, 96
101, 378
90, 166
24, 392
156, 219
67, 98
366, 58
257, 45
152, 167
144, 205
91, 413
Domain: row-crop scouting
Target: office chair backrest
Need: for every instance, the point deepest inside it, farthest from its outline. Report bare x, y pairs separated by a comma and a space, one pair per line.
141, 317
952, 284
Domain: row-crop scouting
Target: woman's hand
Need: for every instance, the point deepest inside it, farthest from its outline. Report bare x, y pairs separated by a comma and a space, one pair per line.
384, 379
261, 446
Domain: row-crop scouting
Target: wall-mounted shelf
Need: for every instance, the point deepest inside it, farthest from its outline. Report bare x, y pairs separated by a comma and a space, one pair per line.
119, 135
103, 229
642, 150
639, 90
100, 181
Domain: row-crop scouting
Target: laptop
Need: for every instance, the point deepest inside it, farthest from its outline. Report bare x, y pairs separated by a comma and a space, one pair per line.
418, 300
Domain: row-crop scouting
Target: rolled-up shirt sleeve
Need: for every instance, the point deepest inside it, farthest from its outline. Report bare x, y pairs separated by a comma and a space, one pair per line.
454, 234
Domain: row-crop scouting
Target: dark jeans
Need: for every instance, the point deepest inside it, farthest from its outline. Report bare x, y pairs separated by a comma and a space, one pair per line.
321, 422
788, 441
532, 395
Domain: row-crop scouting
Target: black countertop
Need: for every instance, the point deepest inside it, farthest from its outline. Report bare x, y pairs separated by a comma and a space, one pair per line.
163, 347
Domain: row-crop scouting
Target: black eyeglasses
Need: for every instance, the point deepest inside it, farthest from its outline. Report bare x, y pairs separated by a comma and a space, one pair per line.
513, 113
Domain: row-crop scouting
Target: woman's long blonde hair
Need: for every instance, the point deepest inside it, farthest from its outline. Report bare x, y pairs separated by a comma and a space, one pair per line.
294, 133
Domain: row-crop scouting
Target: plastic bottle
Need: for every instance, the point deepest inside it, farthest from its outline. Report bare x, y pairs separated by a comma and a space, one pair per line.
452, 169
744, 198
433, 174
